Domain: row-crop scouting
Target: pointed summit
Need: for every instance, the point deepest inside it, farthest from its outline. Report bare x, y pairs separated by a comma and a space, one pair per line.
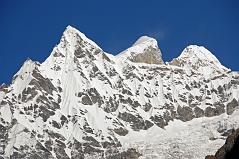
145, 39
200, 59
73, 45
144, 50
198, 52
22, 78
72, 35
26, 68
84, 103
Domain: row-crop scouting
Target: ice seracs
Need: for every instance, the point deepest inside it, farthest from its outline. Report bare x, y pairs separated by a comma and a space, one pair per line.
144, 50
84, 103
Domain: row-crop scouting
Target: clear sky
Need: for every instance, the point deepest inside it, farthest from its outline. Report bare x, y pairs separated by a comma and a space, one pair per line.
31, 28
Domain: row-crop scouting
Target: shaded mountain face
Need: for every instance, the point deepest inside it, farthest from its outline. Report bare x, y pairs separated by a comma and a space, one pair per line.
144, 50
85, 103
230, 150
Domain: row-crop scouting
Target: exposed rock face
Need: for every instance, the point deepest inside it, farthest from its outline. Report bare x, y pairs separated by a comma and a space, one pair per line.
84, 103
151, 56
230, 149
185, 113
211, 157
198, 112
218, 110
129, 154
144, 50
232, 106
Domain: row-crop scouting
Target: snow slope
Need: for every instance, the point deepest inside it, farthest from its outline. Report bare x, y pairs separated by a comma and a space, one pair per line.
82, 102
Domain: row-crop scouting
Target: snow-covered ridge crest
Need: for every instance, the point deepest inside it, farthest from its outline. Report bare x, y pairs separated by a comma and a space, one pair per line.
144, 50
23, 77
71, 33
74, 47
198, 58
146, 39
84, 103
194, 53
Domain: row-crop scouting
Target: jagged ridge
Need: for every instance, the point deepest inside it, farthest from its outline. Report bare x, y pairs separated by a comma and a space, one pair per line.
82, 102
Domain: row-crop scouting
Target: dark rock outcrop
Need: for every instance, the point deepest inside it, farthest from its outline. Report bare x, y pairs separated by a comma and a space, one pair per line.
230, 150
129, 154
232, 106
81, 101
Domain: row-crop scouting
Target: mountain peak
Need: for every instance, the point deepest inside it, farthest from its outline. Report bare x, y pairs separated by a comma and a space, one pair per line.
145, 39
144, 50
199, 58
84, 103
198, 52
72, 35
69, 27
27, 67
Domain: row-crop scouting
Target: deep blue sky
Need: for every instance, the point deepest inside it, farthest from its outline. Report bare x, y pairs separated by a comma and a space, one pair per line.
32, 28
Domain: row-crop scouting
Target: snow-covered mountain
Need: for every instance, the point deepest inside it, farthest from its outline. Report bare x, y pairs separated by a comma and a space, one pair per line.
82, 102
